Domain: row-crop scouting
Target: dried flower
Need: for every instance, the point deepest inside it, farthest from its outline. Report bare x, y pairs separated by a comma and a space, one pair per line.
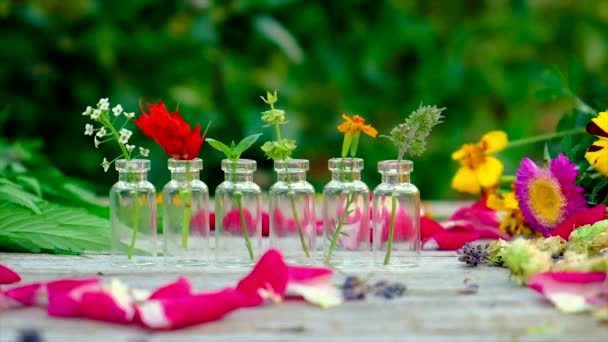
473, 255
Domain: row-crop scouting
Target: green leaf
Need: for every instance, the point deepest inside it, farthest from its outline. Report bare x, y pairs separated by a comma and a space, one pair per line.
56, 229
11, 193
220, 147
549, 94
553, 78
354, 144
30, 183
244, 144
271, 29
348, 138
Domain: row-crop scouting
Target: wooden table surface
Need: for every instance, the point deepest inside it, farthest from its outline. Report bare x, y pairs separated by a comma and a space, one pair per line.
432, 308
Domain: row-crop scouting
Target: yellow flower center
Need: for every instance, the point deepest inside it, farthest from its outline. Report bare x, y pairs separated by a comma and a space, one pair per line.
472, 156
546, 201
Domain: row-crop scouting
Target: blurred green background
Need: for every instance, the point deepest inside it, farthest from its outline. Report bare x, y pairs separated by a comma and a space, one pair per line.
483, 60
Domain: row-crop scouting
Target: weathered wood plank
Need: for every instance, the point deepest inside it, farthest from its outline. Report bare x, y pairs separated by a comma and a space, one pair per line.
431, 310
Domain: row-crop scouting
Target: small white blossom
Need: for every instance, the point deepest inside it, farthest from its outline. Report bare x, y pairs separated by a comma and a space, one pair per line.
104, 106
130, 115
88, 111
96, 114
117, 110
102, 132
97, 142
123, 139
129, 147
124, 131
144, 151
106, 165
88, 129
102, 101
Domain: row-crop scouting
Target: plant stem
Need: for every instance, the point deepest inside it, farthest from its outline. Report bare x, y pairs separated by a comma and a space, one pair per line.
186, 196
296, 218
391, 230
135, 219
239, 202
338, 229
543, 137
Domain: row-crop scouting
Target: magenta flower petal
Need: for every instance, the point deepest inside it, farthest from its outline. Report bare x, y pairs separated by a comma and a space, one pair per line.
268, 278
65, 295
103, 306
548, 197
175, 313
232, 221
304, 273
8, 276
179, 288
453, 240
589, 216
28, 294
478, 215
571, 291
403, 229
429, 227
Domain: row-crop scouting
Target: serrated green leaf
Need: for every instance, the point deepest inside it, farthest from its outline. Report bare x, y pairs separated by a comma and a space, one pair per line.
220, 147
245, 144
30, 183
57, 229
14, 194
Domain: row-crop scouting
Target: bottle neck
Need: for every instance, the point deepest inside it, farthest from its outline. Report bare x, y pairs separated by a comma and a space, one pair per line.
345, 176
395, 178
236, 177
133, 176
291, 177
183, 176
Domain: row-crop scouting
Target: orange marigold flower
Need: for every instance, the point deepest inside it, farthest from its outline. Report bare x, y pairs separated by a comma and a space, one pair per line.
356, 125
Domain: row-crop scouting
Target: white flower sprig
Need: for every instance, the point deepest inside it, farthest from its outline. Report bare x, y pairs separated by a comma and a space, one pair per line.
111, 129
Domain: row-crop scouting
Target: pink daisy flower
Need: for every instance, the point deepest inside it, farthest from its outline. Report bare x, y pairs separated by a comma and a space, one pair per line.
548, 197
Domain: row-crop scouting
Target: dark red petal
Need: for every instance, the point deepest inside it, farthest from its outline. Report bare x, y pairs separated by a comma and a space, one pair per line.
589, 216
193, 143
451, 241
265, 224
8, 276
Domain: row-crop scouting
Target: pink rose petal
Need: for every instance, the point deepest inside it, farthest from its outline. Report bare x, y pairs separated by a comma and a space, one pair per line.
581, 283
65, 295
8, 276
232, 221
265, 224
28, 294
429, 227
452, 241
103, 306
175, 313
179, 288
589, 216
478, 215
268, 277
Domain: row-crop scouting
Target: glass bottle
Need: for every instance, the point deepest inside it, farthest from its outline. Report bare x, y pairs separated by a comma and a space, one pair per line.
346, 216
292, 212
186, 214
238, 214
133, 214
396, 216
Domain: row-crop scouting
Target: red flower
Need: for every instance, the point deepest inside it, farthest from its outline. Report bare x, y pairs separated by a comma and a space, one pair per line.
171, 132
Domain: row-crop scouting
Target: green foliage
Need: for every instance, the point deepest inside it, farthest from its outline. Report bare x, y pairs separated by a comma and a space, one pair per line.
234, 151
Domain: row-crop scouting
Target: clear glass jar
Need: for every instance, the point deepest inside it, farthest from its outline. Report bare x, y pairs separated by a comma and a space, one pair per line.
186, 214
346, 216
396, 216
292, 212
133, 214
238, 214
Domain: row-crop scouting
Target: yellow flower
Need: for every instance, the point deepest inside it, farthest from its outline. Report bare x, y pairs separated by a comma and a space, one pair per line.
513, 222
478, 169
352, 129
597, 153
356, 125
